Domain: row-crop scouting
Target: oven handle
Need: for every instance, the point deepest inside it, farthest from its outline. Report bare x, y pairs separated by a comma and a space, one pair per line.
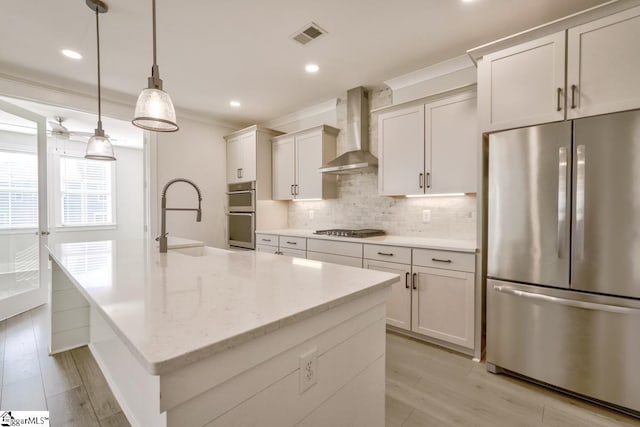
240, 192
567, 302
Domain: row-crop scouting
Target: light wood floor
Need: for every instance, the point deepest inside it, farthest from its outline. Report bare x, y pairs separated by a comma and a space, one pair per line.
69, 385
426, 386
429, 386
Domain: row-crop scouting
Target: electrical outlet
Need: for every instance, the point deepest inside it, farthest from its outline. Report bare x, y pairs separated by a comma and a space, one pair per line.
308, 372
312, 214
426, 216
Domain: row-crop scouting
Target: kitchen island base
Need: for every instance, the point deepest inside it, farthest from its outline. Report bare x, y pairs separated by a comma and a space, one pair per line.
257, 382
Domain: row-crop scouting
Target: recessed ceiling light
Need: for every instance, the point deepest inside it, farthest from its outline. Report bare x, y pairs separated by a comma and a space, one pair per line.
311, 68
235, 104
467, 1
71, 54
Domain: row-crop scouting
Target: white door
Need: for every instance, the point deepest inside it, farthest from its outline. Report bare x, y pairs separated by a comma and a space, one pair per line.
241, 158
399, 304
603, 59
451, 132
234, 160
443, 305
283, 155
308, 160
401, 144
524, 85
24, 260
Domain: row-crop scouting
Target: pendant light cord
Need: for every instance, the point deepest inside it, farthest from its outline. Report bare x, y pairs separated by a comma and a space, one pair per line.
99, 92
153, 8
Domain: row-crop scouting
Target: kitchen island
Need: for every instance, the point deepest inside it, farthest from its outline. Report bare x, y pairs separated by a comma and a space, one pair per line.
225, 338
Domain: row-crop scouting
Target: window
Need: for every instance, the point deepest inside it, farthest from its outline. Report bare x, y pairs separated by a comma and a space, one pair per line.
86, 196
18, 190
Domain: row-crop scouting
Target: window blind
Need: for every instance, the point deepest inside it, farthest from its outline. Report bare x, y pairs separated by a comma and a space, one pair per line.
85, 192
18, 190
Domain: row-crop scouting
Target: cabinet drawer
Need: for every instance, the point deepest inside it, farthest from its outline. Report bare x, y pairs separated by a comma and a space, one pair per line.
335, 248
296, 253
266, 248
293, 242
335, 259
388, 253
267, 239
443, 259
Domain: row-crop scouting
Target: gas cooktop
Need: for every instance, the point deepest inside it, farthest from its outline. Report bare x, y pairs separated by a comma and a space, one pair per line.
366, 232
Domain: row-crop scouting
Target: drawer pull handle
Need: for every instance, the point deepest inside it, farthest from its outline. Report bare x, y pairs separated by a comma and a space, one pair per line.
385, 253
406, 280
292, 243
266, 240
441, 260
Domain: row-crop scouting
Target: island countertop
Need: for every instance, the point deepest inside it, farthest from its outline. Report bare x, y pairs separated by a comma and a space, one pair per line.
173, 309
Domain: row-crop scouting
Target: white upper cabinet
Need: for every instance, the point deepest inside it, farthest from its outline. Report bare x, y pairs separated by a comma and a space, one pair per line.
524, 84
603, 59
452, 133
402, 151
430, 148
527, 84
241, 158
284, 173
296, 160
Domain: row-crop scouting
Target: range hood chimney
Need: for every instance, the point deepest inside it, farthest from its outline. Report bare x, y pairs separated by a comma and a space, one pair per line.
357, 158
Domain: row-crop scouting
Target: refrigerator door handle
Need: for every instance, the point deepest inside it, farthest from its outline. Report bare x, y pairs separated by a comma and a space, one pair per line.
562, 199
581, 163
566, 302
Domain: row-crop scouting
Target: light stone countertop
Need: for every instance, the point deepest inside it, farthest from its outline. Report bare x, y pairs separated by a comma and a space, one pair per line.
390, 240
180, 242
174, 309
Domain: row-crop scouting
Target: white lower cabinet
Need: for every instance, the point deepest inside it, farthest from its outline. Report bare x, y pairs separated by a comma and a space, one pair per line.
399, 304
435, 302
434, 295
443, 305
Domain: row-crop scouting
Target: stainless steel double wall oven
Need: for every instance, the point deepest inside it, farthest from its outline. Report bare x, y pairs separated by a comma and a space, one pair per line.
241, 215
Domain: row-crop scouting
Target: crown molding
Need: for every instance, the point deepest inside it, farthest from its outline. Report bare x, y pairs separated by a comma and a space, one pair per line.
431, 72
314, 110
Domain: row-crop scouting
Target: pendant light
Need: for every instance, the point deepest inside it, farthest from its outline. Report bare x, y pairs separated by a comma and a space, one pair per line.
99, 147
154, 109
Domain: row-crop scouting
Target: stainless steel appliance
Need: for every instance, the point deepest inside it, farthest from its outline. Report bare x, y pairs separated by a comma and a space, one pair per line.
343, 232
563, 256
241, 215
241, 197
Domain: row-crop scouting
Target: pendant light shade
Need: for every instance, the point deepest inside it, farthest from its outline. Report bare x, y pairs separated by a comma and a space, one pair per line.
99, 146
154, 109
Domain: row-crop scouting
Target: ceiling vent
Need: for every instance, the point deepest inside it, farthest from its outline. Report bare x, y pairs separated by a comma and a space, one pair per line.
308, 33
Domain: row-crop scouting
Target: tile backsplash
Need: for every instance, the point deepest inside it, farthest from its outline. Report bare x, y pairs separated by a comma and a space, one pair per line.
358, 204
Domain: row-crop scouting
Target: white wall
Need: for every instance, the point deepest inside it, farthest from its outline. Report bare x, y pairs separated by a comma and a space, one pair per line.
196, 152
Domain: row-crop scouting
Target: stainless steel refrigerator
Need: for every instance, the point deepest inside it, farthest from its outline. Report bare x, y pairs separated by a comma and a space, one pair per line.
563, 256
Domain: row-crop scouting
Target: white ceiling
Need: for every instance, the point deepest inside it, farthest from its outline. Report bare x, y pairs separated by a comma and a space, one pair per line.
210, 52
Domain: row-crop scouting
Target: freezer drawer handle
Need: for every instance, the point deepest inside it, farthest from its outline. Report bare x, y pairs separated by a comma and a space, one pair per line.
567, 302
441, 260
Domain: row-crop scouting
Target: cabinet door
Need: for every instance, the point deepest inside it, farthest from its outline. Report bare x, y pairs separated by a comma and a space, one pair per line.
401, 148
451, 131
399, 304
524, 85
309, 159
241, 158
443, 305
283, 153
603, 59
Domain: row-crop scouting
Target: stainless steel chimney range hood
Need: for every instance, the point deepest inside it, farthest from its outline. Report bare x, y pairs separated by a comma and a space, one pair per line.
357, 158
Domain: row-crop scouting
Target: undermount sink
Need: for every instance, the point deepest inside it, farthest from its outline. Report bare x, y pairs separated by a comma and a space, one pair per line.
197, 251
